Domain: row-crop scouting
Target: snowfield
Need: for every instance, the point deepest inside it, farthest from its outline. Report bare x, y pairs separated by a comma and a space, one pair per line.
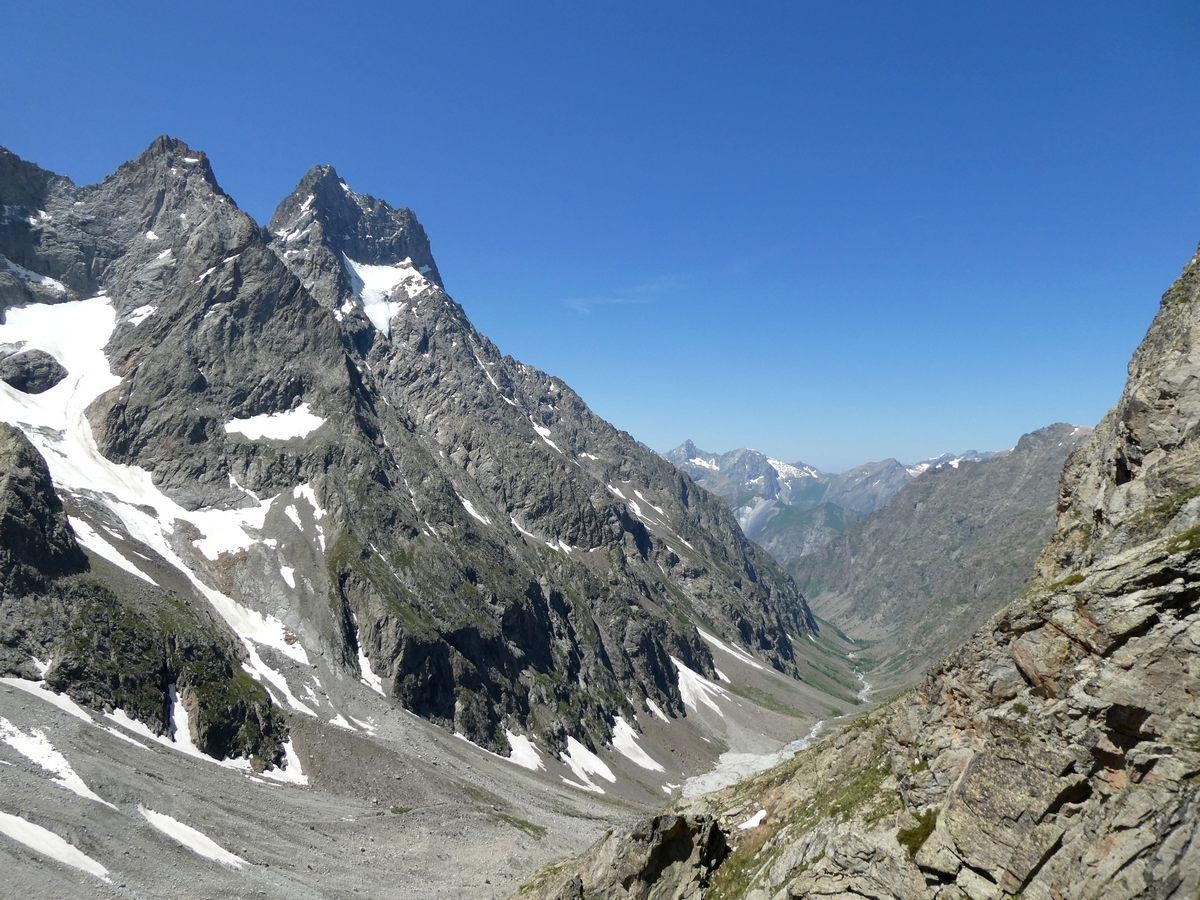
625, 742
378, 286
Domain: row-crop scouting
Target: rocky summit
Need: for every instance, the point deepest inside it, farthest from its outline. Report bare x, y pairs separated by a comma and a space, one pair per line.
1055, 754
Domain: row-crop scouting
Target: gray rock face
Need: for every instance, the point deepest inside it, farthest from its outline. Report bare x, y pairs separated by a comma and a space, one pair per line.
1055, 754
1138, 476
667, 856
36, 543
463, 524
922, 573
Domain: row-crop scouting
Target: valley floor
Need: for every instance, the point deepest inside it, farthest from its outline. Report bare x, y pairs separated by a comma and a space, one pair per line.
94, 807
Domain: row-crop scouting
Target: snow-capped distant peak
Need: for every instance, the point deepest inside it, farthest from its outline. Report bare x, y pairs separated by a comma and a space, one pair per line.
787, 470
704, 463
953, 460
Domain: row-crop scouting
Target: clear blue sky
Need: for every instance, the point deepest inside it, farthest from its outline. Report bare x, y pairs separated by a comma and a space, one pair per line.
836, 232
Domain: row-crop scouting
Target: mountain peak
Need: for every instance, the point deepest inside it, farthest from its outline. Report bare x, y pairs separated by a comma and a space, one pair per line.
687, 450
364, 228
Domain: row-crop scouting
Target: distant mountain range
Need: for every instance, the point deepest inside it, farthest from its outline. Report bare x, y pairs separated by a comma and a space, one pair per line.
794, 509
923, 571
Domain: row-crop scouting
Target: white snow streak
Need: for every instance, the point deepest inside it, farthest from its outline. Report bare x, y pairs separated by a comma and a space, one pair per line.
46, 842
472, 511
196, 841
369, 678
624, 741
584, 763
736, 652
88, 536
695, 689
36, 747
657, 710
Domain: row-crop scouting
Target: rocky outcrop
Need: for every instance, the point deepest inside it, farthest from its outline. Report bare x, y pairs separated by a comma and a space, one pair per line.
1140, 475
922, 573
665, 858
30, 371
114, 648
1056, 754
36, 544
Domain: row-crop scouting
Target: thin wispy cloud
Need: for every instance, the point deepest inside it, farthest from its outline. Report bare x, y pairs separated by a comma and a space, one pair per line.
651, 291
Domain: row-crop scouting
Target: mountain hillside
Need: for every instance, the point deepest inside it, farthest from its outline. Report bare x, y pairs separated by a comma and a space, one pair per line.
921, 573
1054, 755
296, 438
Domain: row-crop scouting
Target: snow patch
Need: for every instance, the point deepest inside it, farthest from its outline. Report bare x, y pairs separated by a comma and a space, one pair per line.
523, 752
754, 821
472, 511
93, 541
368, 676
624, 741
544, 434
62, 701
787, 470
696, 690
378, 286
141, 314
657, 710
196, 841
35, 747
584, 763
292, 773
278, 426
657, 509
734, 651
47, 843
31, 277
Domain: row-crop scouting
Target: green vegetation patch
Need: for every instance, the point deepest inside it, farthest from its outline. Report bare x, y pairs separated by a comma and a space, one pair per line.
1184, 541
530, 828
912, 839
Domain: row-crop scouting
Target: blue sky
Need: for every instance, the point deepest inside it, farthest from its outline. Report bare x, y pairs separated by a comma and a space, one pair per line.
835, 233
